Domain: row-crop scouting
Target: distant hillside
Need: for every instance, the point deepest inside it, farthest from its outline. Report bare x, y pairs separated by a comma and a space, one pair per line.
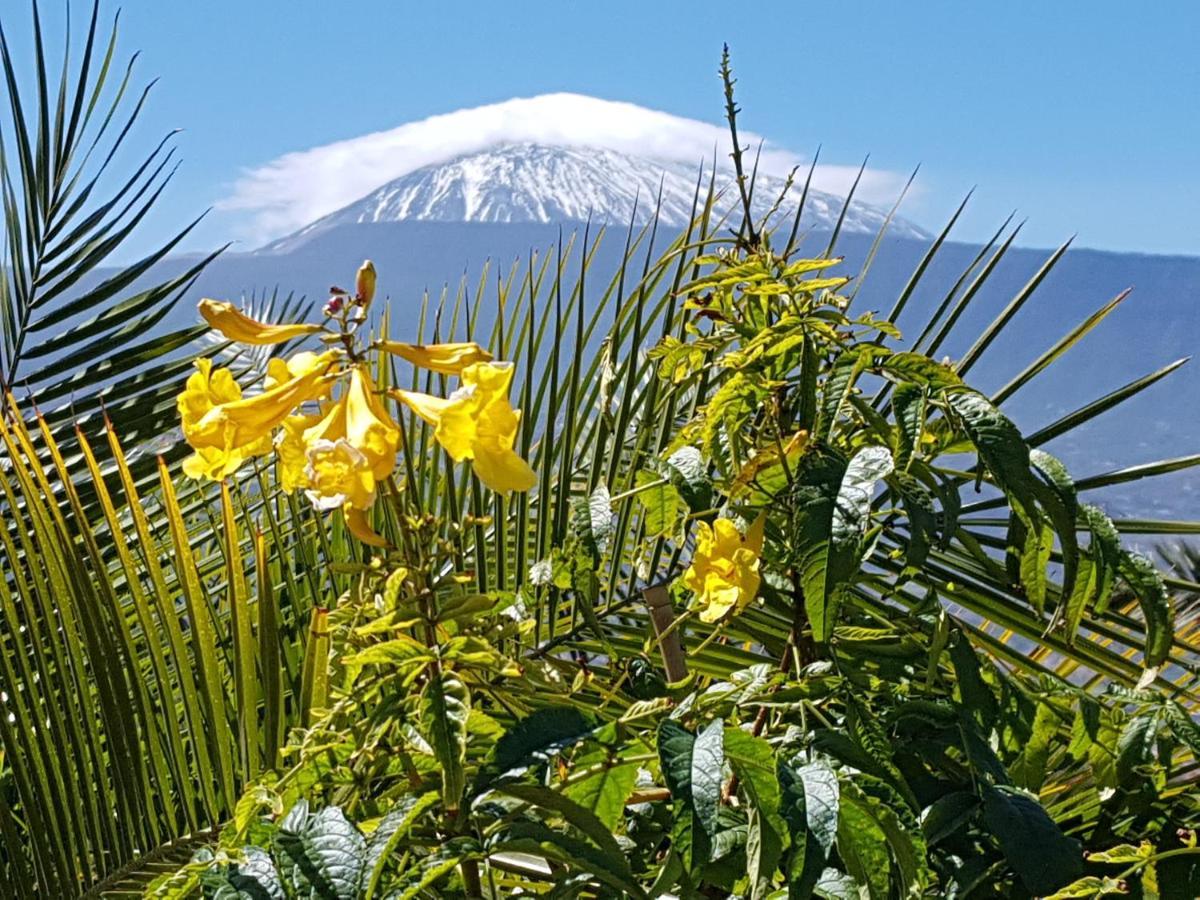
1158, 324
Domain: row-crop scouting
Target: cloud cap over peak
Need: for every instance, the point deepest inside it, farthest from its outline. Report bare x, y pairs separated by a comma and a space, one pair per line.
292, 190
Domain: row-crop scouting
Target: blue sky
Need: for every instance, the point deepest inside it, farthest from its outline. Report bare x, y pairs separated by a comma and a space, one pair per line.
1080, 115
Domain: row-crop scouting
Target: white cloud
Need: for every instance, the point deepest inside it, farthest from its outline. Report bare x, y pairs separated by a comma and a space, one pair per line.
292, 190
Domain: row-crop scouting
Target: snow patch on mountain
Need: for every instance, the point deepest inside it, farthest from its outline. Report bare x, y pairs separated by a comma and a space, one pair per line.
525, 182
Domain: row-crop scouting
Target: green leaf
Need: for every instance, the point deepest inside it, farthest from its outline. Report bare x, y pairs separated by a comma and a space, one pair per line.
909, 402
708, 767
428, 870
689, 836
849, 516
592, 520
753, 761
835, 885
582, 819
255, 878
321, 855
689, 475
1105, 552
1135, 746
999, 444
605, 791
948, 815
1147, 585
535, 739
1090, 886
392, 828
661, 502
1030, 771
1035, 556
863, 847
445, 707
922, 518
575, 854
904, 836
810, 798
1043, 857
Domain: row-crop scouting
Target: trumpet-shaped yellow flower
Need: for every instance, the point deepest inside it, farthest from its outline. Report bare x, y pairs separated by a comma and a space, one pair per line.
449, 359
281, 371
478, 423
331, 474
237, 423
292, 451
724, 569
369, 428
205, 391
338, 474
237, 326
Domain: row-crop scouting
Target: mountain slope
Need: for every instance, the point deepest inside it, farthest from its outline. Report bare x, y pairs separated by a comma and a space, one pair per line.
536, 183
1155, 326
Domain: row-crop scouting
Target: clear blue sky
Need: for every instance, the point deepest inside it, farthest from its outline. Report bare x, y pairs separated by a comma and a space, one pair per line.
1080, 115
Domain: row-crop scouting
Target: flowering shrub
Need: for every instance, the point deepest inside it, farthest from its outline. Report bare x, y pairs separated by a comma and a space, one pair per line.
342, 449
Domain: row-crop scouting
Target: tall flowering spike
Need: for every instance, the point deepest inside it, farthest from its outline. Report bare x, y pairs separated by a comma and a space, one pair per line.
364, 283
448, 359
237, 326
239, 422
478, 423
724, 572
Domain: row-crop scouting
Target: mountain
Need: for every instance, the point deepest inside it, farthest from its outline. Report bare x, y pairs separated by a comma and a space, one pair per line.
539, 183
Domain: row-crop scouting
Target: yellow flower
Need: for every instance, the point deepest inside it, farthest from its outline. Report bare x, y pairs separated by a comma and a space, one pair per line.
449, 359
292, 451
280, 371
239, 422
346, 451
478, 423
205, 391
724, 570
369, 428
338, 474
212, 462
237, 326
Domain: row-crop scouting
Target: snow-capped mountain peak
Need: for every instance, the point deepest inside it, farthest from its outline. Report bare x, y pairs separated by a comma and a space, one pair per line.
526, 182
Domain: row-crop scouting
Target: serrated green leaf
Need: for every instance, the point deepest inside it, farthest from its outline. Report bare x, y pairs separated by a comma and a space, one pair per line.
322, 855
445, 707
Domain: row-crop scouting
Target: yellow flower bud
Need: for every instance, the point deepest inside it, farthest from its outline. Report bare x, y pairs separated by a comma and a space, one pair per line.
364, 283
237, 326
448, 359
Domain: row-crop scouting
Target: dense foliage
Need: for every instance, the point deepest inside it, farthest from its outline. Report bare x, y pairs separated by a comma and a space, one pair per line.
707, 583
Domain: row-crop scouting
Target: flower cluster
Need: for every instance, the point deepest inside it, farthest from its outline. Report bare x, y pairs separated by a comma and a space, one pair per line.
327, 422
